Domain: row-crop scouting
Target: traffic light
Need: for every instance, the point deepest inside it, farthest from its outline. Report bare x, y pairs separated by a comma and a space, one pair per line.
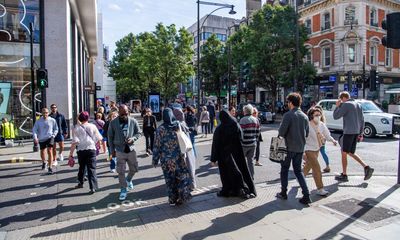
391, 25
41, 78
246, 71
372, 80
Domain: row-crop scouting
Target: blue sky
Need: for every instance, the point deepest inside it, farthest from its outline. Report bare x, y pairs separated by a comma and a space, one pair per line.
121, 17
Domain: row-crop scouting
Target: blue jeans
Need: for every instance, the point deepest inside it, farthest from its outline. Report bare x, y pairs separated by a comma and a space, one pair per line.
296, 158
324, 156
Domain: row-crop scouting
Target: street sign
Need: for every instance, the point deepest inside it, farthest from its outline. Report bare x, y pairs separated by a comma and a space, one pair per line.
98, 88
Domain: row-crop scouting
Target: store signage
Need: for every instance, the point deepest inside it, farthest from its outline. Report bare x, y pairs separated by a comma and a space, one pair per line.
87, 87
332, 78
98, 88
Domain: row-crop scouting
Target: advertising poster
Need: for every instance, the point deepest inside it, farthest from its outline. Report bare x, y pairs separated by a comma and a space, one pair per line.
5, 90
154, 102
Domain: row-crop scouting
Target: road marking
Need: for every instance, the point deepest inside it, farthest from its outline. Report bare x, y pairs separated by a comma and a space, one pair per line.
33, 194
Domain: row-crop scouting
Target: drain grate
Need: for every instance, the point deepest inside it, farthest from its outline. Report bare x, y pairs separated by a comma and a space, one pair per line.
365, 211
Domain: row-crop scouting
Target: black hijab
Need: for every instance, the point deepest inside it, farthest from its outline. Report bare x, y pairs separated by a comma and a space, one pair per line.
169, 119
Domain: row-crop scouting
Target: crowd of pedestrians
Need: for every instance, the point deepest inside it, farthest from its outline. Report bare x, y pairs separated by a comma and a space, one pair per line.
235, 145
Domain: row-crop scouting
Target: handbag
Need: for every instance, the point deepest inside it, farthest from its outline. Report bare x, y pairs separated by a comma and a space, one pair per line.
215, 122
277, 150
71, 161
184, 141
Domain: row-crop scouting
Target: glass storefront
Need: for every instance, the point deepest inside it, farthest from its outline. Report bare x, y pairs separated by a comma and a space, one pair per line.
15, 69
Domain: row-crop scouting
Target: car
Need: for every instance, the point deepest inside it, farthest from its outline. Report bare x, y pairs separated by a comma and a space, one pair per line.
264, 114
376, 121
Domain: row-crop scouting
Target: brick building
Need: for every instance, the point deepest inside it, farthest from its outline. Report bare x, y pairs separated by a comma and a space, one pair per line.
341, 35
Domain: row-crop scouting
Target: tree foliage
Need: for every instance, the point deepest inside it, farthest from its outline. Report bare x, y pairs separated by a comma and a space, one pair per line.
268, 44
155, 61
214, 65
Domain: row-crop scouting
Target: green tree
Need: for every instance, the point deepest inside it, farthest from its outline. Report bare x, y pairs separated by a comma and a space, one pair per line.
213, 65
268, 44
156, 60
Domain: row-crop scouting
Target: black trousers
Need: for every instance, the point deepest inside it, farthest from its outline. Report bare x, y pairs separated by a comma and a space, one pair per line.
87, 161
149, 135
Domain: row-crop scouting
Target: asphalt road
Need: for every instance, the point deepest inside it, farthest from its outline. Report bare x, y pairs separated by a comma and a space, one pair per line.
29, 197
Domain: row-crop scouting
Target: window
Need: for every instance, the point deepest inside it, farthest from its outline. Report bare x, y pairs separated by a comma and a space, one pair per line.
221, 37
326, 22
326, 56
373, 18
351, 53
350, 15
308, 56
372, 55
308, 26
388, 59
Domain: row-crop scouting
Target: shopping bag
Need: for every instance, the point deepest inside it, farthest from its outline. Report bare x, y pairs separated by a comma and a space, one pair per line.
71, 161
215, 122
277, 150
184, 141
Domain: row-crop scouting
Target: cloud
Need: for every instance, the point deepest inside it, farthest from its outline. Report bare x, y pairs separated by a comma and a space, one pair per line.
138, 5
114, 7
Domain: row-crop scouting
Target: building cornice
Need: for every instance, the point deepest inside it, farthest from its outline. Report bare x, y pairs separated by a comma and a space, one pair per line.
322, 5
85, 14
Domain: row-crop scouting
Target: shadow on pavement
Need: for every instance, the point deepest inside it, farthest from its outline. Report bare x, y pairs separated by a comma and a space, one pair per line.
330, 234
162, 212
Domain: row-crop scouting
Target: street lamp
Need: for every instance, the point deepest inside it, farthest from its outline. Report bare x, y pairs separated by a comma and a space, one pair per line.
221, 6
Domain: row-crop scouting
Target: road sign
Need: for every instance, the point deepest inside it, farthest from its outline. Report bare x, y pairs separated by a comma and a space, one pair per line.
98, 88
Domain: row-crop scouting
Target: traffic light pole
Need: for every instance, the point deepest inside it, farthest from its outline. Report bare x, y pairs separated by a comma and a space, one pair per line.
35, 148
363, 77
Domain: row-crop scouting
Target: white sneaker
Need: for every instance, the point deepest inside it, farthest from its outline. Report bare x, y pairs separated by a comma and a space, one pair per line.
55, 163
322, 192
61, 157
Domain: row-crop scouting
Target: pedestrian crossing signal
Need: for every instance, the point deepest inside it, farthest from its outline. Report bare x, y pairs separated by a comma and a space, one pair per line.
41, 78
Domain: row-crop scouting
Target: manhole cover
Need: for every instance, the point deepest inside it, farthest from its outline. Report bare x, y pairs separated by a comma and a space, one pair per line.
362, 210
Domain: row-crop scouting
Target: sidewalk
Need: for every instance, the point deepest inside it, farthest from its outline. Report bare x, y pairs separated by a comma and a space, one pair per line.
354, 210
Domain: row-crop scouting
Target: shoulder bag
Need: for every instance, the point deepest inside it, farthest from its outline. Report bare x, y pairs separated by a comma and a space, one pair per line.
184, 141
277, 150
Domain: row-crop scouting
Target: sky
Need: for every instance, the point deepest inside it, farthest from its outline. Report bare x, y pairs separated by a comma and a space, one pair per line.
121, 17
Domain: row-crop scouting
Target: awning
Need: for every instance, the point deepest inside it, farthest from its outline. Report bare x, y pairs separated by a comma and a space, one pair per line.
393, 91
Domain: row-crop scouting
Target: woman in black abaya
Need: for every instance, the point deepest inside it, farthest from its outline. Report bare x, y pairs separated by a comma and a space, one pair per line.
227, 151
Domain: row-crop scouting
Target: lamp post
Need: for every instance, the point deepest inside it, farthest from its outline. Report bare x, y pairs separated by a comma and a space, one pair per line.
221, 6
